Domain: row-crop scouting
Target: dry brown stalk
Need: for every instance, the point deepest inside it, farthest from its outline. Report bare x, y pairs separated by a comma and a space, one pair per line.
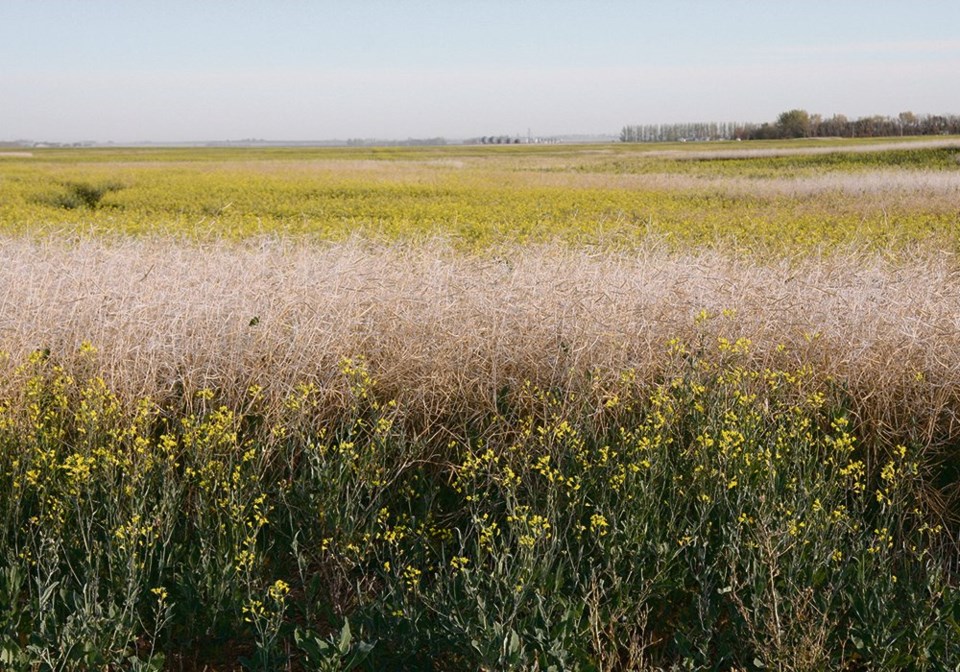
444, 332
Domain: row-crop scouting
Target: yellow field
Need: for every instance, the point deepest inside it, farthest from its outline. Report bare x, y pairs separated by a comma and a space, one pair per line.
774, 200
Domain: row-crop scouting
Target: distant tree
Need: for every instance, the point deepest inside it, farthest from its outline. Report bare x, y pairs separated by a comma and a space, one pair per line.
765, 131
935, 125
908, 122
794, 124
870, 127
816, 121
836, 126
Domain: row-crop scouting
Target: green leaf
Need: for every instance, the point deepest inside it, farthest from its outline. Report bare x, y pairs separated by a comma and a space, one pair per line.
514, 646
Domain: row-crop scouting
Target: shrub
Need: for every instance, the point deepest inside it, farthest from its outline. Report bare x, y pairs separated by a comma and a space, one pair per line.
84, 195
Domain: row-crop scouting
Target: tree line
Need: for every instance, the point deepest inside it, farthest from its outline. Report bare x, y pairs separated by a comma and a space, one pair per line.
797, 123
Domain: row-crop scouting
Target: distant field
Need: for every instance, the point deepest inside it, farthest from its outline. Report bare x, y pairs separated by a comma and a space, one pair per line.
780, 198
619, 407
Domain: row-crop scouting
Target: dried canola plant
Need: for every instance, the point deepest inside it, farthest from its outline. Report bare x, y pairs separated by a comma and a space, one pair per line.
444, 332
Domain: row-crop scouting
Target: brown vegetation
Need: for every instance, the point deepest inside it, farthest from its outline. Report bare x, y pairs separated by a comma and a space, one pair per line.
444, 333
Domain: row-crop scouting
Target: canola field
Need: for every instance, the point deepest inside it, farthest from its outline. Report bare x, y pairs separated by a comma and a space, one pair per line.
774, 199
461, 408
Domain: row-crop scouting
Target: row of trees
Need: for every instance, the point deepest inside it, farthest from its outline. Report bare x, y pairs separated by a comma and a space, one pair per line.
681, 132
797, 124
802, 124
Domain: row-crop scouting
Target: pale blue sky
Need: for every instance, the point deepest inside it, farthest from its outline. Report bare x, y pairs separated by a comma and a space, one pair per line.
292, 69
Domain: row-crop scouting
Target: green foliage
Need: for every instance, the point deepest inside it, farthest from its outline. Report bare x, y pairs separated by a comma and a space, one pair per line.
725, 515
794, 124
331, 654
83, 195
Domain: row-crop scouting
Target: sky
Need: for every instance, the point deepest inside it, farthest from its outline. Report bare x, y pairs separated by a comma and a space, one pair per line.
178, 71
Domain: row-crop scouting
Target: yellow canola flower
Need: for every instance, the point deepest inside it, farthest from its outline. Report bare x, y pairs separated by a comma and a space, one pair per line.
599, 525
411, 576
279, 590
